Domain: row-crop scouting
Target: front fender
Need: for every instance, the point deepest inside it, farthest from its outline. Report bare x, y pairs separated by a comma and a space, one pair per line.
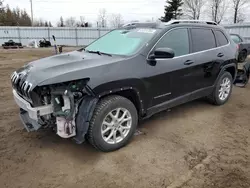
114, 87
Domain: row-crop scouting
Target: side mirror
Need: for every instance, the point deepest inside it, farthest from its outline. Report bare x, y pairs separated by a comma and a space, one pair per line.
164, 53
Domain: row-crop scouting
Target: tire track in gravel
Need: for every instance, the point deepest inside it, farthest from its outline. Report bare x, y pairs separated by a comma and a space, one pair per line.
230, 161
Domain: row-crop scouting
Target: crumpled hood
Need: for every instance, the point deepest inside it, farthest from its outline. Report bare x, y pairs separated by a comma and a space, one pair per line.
68, 66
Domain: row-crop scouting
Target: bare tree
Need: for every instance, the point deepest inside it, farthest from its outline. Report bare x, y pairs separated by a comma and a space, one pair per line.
237, 6
81, 22
70, 22
102, 18
192, 8
116, 20
218, 9
39, 23
241, 17
82, 19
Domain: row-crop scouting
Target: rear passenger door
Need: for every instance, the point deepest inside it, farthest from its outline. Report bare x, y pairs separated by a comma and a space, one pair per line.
207, 58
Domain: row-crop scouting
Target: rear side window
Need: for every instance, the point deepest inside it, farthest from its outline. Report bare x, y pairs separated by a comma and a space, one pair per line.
236, 39
221, 38
177, 40
202, 39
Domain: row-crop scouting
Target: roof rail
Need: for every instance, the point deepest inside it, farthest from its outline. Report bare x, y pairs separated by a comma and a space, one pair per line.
139, 24
190, 21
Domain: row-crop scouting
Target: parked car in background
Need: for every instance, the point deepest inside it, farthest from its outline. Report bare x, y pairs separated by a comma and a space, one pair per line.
243, 45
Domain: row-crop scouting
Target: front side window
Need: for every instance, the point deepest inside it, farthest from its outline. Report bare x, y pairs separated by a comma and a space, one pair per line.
122, 41
221, 38
177, 40
236, 39
202, 39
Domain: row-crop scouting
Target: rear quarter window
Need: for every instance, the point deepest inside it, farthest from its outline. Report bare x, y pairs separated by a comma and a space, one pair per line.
221, 38
202, 39
236, 39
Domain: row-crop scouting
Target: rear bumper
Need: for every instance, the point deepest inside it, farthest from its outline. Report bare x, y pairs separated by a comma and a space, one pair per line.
29, 115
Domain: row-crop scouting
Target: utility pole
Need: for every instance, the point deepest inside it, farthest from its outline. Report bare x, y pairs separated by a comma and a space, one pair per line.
31, 7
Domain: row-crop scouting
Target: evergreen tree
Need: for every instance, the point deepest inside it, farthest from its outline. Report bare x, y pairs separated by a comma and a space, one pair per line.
25, 19
1, 6
41, 23
46, 24
50, 25
2, 13
9, 19
172, 10
61, 23
15, 17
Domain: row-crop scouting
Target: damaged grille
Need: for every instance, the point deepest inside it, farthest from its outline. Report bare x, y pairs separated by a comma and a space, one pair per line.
21, 86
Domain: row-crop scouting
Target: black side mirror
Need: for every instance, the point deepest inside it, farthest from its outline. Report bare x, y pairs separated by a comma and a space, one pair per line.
164, 53
151, 60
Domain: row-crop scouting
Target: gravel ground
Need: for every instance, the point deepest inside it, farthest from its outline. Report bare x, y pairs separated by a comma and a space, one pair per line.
195, 145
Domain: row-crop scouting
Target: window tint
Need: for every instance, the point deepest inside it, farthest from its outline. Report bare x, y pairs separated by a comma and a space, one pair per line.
221, 39
236, 39
203, 39
177, 40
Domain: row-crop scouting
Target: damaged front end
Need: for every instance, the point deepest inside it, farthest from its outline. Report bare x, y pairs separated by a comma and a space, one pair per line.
56, 106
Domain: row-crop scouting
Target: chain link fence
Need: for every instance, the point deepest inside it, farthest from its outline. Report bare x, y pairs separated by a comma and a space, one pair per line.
241, 29
64, 35
79, 36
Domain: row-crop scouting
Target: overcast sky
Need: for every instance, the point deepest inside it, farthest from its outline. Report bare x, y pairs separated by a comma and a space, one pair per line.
129, 9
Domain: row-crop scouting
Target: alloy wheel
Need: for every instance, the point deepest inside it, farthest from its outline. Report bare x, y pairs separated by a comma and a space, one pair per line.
225, 88
116, 125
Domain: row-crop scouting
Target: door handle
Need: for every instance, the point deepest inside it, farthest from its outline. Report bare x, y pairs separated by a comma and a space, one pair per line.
220, 55
188, 62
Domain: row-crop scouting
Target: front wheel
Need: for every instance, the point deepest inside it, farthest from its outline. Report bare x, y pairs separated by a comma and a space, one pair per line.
222, 90
113, 123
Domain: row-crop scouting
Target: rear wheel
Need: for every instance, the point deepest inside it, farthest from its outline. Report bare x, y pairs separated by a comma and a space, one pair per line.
113, 123
222, 90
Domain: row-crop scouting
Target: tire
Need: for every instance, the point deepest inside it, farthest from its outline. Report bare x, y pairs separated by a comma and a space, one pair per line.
242, 56
104, 119
215, 97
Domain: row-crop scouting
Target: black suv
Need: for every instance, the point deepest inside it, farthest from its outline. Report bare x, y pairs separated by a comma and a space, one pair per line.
101, 92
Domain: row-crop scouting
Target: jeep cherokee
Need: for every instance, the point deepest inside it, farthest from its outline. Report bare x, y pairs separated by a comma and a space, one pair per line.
100, 92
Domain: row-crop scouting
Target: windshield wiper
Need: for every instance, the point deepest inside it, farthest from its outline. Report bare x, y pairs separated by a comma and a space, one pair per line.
99, 53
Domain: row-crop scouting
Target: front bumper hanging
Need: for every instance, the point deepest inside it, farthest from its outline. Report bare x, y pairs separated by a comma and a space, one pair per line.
29, 115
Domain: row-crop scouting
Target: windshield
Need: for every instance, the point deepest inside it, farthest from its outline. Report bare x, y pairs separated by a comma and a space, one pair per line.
122, 41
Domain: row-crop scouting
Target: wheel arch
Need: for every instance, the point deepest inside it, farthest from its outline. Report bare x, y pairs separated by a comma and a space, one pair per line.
231, 68
131, 93
133, 89
244, 50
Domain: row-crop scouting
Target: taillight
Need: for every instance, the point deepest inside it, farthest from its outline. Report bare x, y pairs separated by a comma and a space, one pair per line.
238, 47
237, 51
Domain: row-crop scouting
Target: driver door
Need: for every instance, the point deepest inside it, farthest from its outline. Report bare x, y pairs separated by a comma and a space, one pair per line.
170, 78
